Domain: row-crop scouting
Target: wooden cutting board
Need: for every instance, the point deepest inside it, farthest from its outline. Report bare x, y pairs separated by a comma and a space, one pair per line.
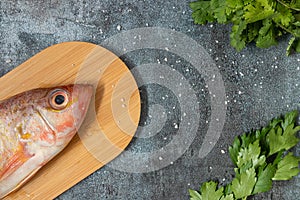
111, 121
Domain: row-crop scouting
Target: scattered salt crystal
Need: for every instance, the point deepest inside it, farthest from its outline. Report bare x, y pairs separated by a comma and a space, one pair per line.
175, 126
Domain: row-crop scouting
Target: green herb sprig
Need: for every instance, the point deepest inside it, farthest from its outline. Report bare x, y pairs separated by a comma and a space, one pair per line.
260, 21
260, 157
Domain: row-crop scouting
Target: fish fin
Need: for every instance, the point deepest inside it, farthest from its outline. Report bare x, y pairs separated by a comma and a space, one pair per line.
25, 180
14, 162
20, 176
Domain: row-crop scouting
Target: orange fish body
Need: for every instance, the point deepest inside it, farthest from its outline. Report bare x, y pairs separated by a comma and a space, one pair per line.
34, 127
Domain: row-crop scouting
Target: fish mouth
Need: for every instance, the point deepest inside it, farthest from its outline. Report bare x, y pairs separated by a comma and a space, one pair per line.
85, 92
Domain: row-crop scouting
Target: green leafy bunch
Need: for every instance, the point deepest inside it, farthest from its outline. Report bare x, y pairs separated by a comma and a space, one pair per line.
260, 157
259, 21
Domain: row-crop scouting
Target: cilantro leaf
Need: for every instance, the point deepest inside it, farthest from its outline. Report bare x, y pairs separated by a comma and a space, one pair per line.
243, 186
287, 167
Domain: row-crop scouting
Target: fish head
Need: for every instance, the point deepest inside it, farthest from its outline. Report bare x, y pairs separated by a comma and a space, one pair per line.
63, 110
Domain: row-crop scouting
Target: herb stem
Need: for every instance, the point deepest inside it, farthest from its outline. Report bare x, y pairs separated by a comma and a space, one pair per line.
288, 6
287, 30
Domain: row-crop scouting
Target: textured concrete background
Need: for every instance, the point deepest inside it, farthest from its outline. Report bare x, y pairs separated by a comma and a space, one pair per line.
259, 84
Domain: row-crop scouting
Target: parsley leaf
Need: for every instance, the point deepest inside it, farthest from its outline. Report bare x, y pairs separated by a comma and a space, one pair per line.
260, 157
282, 140
287, 167
237, 36
234, 150
251, 154
201, 12
208, 192
227, 197
261, 21
264, 180
195, 195
283, 15
243, 186
259, 11
266, 37
219, 7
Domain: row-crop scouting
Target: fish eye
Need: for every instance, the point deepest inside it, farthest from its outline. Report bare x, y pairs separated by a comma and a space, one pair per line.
58, 99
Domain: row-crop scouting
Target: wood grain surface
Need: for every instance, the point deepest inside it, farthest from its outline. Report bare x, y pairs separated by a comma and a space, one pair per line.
111, 121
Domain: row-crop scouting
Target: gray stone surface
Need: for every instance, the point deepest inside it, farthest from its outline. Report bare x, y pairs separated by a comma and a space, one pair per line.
259, 83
